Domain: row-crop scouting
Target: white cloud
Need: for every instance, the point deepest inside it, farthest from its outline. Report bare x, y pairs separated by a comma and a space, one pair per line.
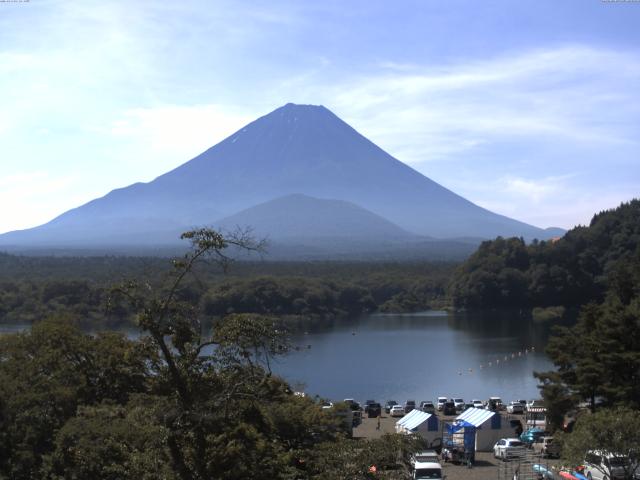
178, 131
31, 198
533, 191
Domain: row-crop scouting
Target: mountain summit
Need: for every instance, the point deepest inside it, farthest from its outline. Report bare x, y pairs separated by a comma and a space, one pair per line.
296, 149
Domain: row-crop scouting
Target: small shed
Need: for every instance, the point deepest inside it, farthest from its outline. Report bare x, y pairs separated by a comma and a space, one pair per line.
536, 417
422, 423
489, 427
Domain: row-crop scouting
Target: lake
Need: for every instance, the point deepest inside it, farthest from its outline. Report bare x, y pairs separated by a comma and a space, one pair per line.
420, 357
416, 356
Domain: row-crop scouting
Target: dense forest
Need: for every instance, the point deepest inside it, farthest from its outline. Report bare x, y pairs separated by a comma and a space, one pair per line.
569, 271
503, 273
78, 405
81, 406
32, 288
597, 362
598, 358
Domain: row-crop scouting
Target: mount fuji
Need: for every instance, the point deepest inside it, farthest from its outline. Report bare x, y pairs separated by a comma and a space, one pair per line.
298, 173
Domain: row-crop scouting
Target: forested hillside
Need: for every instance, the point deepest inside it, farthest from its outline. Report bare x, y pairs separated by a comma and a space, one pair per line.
103, 406
570, 271
33, 288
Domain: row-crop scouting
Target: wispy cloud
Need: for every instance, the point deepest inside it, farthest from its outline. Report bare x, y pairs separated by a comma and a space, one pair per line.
534, 190
575, 93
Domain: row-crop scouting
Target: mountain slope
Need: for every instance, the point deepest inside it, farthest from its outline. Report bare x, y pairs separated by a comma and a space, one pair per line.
300, 217
294, 149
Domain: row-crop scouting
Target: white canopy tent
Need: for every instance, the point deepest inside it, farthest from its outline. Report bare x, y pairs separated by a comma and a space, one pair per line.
490, 427
424, 424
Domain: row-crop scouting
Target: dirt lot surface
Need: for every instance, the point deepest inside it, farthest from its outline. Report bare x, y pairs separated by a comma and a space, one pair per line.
485, 467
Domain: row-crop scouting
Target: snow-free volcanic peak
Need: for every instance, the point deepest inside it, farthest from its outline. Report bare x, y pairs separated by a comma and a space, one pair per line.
296, 149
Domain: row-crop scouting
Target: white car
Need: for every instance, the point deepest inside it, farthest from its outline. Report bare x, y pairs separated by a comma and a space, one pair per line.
545, 446
507, 448
601, 465
477, 403
326, 405
515, 407
397, 411
441, 402
427, 471
425, 456
458, 403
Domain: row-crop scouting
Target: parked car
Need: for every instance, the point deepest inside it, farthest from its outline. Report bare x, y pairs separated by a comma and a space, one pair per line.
449, 408
477, 403
600, 465
467, 406
397, 411
366, 405
427, 407
523, 402
426, 466
458, 403
357, 418
494, 404
515, 407
374, 410
389, 405
507, 448
425, 456
353, 405
427, 471
409, 405
529, 436
546, 447
440, 403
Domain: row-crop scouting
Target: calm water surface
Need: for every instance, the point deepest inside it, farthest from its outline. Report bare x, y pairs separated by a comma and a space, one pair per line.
420, 357
416, 356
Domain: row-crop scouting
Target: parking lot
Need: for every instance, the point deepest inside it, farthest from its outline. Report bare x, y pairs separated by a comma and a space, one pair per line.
486, 467
368, 427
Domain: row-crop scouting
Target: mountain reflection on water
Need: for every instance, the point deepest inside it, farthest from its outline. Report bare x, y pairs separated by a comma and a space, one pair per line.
420, 356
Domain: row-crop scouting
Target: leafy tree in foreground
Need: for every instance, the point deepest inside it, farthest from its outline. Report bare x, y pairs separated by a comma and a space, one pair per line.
111, 442
611, 431
47, 373
224, 415
599, 357
178, 403
348, 459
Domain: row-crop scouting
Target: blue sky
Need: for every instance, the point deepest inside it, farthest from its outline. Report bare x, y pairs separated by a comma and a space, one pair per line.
528, 108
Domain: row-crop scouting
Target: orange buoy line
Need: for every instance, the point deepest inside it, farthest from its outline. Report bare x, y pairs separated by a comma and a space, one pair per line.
496, 362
